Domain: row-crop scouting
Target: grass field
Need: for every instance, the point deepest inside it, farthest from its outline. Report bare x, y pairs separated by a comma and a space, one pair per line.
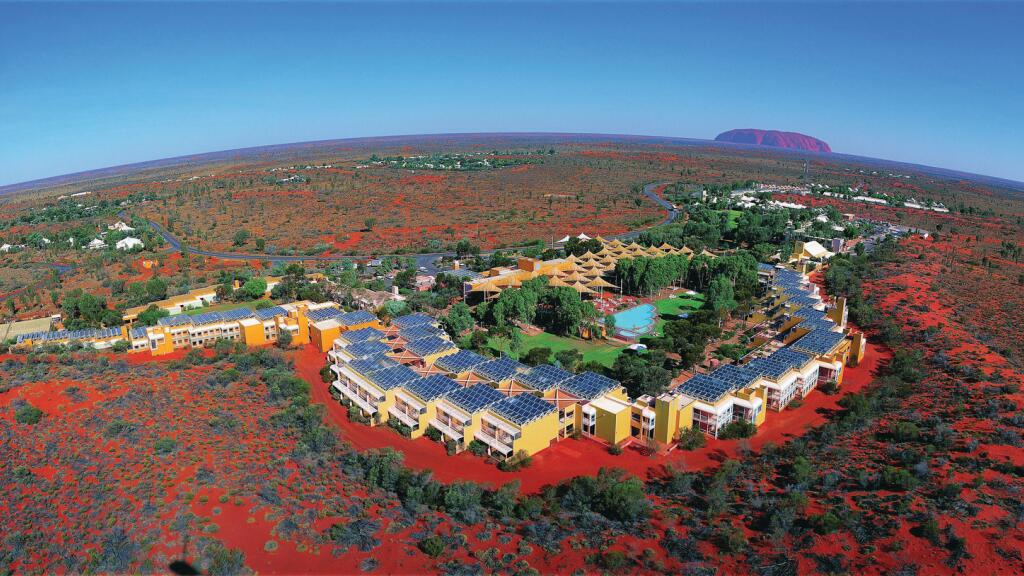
674, 306
597, 351
226, 306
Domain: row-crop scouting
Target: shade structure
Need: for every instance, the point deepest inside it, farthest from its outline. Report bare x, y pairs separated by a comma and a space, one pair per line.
598, 283
485, 287
556, 281
572, 277
593, 273
581, 288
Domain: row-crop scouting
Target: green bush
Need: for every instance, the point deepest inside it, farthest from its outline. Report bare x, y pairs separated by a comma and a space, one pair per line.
433, 434
27, 414
692, 439
432, 546
615, 449
477, 448
165, 446
738, 429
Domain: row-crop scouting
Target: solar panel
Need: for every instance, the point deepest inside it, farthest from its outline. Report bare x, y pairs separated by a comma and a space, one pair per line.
819, 324
392, 377
819, 342
429, 345
499, 369
362, 335
139, 332
368, 348
356, 317
705, 388
522, 408
321, 314
736, 376
809, 313
474, 398
237, 314
589, 385
372, 364
781, 361
460, 362
265, 314
175, 320
207, 318
804, 301
543, 377
418, 332
409, 320
432, 387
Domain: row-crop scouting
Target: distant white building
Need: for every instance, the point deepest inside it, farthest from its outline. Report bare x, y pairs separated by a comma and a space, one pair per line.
120, 226
129, 243
96, 244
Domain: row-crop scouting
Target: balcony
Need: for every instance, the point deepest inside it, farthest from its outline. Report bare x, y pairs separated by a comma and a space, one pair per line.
494, 443
447, 430
352, 396
403, 417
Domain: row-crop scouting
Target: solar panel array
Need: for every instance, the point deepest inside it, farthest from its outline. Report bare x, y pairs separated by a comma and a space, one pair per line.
460, 362
819, 324
819, 342
392, 377
368, 348
175, 320
474, 398
321, 314
804, 301
429, 345
543, 377
87, 334
356, 317
500, 369
206, 318
362, 335
409, 320
237, 314
736, 376
706, 388
780, 362
372, 364
809, 314
432, 387
417, 332
589, 385
522, 408
264, 314
139, 332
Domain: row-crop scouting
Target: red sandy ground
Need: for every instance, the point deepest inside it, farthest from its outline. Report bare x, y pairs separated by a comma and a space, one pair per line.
570, 457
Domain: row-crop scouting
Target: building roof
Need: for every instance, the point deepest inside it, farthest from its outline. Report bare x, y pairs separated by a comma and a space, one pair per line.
543, 377
361, 335
356, 317
704, 387
432, 387
819, 342
736, 376
779, 362
429, 345
474, 398
322, 314
522, 408
460, 362
420, 331
409, 320
589, 385
499, 369
368, 348
372, 364
392, 377
271, 312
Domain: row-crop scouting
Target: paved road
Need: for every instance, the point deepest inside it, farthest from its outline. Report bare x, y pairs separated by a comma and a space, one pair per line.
427, 260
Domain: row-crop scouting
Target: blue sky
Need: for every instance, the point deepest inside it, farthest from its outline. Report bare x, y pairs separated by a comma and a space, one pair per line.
86, 86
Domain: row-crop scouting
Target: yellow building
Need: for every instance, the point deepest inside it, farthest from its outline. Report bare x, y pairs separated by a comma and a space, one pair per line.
370, 384
327, 324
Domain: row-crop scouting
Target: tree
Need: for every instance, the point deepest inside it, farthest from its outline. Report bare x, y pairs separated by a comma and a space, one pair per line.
393, 308
465, 248
458, 320
254, 288
432, 546
241, 237
570, 359
156, 289
720, 296
284, 339
27, 414
370, 223
609, 325
151, 315
537, 356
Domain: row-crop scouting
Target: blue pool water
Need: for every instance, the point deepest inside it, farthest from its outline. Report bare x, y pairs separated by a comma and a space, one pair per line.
636, 321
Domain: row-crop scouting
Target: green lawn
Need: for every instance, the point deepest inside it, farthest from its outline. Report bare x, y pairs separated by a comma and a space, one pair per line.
597, 351
225, 307
680, 304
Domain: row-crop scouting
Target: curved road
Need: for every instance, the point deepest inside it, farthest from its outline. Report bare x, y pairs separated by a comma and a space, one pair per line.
423, 260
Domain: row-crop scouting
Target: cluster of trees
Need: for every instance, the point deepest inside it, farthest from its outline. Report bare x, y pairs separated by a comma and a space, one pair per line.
294, 285
557, 309
643, 275
81, 310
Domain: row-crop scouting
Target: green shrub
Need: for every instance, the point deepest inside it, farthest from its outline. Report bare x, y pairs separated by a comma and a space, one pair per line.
692, 439
615, 449
432, 546
738, 429
27, 414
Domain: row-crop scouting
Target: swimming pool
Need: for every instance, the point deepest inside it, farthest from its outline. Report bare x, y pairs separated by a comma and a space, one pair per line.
637, 321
